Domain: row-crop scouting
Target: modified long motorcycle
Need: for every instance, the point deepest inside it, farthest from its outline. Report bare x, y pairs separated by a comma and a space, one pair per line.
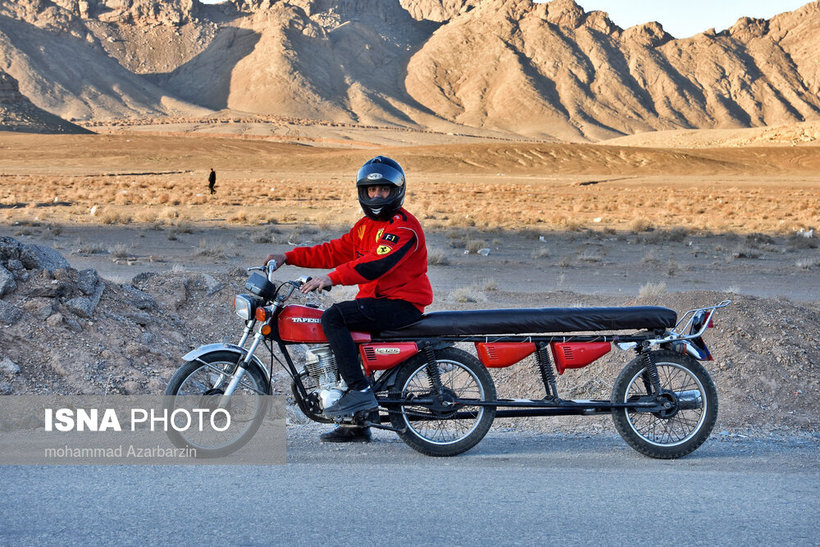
440, 398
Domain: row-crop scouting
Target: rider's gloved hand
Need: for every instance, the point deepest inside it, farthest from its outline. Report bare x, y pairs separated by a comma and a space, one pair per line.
278, 258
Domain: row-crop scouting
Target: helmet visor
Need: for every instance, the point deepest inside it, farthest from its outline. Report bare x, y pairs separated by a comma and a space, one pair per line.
375, 174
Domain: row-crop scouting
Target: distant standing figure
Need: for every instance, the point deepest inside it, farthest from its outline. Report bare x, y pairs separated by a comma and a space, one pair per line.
212, 181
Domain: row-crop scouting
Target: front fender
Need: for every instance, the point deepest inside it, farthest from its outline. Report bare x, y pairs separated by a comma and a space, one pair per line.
240, 352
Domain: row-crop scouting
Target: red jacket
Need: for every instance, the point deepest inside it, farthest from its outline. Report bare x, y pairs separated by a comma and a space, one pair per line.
387, 259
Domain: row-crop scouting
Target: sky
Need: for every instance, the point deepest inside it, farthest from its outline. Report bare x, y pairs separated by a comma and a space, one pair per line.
683, 18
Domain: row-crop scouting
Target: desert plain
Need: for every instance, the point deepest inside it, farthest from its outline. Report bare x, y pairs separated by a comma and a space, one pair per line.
678, 218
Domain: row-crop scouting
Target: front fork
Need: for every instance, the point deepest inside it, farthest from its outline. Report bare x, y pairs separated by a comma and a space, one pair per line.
242, 367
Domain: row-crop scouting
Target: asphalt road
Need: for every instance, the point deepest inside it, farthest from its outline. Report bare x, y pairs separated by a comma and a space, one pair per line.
513, 488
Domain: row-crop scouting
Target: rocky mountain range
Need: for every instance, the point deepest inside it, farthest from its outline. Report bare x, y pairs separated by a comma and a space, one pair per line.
17, 113
548, 70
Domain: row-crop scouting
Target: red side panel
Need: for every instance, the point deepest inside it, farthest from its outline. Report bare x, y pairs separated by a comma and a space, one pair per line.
304, 324
577, 354
503, 354
383, 356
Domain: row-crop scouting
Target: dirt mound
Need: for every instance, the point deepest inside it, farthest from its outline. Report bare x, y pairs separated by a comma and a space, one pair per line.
70, 332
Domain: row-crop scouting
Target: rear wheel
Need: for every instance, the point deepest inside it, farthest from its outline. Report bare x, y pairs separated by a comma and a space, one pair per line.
445, 427
200, 384
685, 425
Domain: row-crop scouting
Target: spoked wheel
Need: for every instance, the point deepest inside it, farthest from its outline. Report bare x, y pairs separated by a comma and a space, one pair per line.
441, 425
686, 422
200, 384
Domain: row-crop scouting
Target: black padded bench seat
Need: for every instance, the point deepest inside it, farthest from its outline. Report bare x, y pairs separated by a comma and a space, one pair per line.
536, 321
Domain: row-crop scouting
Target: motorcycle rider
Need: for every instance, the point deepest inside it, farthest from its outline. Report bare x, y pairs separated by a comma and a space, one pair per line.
386, 256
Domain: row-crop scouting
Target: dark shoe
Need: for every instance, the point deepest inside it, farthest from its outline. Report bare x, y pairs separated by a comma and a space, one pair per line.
352, 402
347, 435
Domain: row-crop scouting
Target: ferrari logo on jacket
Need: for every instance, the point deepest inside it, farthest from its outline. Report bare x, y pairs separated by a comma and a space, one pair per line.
383, 249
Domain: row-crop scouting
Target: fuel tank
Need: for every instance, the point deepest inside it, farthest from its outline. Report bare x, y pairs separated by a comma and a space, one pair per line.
303, 324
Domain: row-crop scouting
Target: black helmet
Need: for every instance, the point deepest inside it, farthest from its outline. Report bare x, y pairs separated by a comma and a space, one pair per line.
381, 171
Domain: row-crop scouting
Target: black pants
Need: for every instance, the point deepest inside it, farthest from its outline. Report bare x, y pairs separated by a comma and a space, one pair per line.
364, 315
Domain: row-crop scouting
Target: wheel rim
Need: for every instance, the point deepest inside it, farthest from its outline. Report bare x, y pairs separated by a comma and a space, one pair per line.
202, 389
668, 428
458, 382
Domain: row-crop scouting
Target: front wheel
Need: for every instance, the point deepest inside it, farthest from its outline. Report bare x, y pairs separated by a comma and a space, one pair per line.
443, 425
200, 384
685, 425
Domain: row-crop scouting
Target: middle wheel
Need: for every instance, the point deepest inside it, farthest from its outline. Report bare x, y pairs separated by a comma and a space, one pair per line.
449, 425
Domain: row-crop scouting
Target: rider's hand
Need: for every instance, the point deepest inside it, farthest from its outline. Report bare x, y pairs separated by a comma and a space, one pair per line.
279, 258
316, 283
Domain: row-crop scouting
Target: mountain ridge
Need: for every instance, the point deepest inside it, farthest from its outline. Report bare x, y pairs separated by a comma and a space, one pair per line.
547, 70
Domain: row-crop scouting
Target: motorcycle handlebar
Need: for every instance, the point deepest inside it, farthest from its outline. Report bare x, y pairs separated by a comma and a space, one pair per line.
270, 267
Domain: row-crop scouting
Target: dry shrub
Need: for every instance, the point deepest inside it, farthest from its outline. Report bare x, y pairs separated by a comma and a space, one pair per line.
205, 249
652, 290
120, 250
487, 285
88, 248
665, 236
184, 228
239, 218
798, 241
746, 252
475, 245
468, 294
52, 230
573, 225
437, 257
113, 217
265, 235
641, 225
590, 255
541, 252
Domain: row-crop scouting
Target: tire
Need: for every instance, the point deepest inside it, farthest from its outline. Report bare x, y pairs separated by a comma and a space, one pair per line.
199, 384
678, 431
437, 432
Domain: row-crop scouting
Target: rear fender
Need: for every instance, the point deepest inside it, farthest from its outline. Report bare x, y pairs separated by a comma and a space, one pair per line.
240, 352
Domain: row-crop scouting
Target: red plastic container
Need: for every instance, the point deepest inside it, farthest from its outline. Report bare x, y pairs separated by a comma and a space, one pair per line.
577, 354
503, 354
